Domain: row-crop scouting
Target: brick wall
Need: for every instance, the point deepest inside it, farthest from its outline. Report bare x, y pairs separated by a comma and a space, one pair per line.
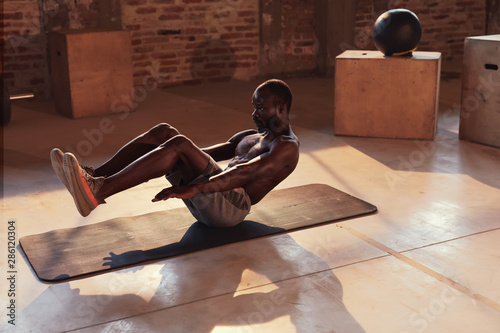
194, 41
174, 41
445, 24
24, 25
299, 36
24, 60
493, 17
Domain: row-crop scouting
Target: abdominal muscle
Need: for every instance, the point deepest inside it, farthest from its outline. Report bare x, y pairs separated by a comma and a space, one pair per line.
235, 161
259, 188
249, 148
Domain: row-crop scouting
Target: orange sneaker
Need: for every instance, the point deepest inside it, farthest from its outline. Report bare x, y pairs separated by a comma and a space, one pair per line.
82, 186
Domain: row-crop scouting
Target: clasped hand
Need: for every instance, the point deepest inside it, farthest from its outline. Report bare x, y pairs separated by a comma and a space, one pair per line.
180, 192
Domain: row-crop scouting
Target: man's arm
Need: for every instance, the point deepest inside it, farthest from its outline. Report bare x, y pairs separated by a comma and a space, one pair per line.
268, 168
225, 151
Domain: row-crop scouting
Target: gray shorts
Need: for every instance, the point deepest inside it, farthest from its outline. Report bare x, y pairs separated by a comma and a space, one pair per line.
218, 209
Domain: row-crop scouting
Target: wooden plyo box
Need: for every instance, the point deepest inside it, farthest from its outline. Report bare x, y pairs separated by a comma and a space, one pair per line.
480, 111
387, 97
91, 71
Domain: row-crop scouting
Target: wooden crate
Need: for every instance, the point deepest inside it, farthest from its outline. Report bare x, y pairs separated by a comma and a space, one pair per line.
480, 111
387, 97
91, 71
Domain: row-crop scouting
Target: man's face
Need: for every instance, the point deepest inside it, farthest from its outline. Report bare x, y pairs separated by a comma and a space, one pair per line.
265, 112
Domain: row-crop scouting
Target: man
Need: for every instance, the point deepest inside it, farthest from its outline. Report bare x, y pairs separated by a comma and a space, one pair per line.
259, 160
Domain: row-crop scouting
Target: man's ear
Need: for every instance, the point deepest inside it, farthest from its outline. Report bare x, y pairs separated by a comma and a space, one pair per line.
283, 109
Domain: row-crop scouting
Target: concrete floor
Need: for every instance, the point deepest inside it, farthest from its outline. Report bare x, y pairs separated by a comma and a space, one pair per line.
428, 261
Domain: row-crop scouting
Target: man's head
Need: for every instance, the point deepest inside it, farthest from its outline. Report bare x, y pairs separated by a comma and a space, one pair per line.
272, 101
282, 95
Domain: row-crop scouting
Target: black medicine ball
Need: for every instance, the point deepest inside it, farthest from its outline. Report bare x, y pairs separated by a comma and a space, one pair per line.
397, 32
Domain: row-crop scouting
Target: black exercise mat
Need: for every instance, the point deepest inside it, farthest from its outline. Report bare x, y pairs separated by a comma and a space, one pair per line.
124, 241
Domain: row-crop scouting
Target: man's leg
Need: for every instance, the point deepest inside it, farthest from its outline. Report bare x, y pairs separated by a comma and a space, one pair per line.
136, 148
179, 152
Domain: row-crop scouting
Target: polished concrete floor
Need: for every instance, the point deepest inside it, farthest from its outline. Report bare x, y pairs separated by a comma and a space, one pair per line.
428, 261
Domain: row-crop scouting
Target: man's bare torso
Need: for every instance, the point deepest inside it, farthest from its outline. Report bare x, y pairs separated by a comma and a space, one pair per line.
258, 144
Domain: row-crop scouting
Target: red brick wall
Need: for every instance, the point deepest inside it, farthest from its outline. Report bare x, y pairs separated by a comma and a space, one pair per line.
24, 60
493, 14
23, 23
174, 41
299, 35
194, 41
445, 24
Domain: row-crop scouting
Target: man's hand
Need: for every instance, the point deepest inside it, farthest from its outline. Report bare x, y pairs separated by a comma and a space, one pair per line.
180, 192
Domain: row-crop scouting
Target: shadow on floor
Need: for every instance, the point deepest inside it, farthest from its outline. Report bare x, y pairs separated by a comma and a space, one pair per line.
312, 302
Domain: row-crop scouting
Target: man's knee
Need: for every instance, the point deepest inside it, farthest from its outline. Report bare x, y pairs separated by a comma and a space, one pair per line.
161, 133
178, 142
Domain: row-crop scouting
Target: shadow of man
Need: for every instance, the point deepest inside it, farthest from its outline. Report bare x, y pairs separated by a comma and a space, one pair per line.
243, 287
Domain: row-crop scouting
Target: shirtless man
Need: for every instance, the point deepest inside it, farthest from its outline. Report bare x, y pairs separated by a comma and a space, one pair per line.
259, 160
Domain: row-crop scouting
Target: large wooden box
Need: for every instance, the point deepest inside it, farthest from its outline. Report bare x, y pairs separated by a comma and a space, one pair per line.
480, 111
91, 71
387, 97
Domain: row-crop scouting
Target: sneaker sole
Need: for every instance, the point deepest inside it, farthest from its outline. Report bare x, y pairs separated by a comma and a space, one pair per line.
82, 195
56, 158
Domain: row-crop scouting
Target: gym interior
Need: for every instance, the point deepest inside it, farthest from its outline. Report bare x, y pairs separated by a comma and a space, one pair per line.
86, 76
